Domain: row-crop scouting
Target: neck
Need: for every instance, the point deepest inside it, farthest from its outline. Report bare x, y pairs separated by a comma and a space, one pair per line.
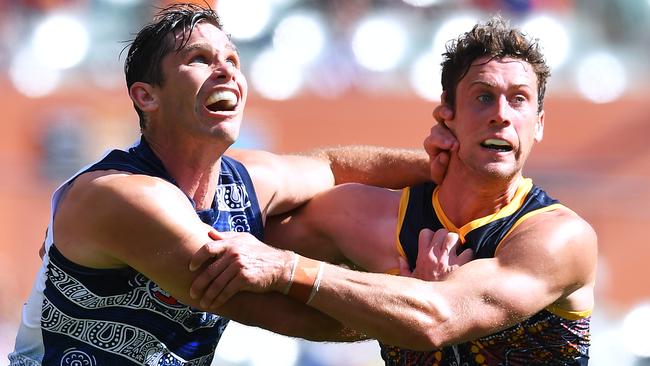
195, 166
465, 197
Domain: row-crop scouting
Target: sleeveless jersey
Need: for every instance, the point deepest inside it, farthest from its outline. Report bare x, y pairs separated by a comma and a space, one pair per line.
551, 337
77, 315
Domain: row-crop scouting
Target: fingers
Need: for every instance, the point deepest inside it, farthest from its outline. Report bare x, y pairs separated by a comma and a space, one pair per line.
440, 243
220, 235
404, 268
425, 241
205, 278
210, 250
205, 253
464, 257
439, 139
221, 289
438, 167
450, 241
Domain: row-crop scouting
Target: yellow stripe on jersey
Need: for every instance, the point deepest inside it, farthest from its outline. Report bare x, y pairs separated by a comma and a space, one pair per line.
403, 204
515, 204
568, 314
552, 207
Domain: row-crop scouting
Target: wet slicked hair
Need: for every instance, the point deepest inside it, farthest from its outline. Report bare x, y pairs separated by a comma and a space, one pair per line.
158, 38
494, 39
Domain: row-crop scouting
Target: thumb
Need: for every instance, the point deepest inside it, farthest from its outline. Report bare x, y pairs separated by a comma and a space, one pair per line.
404, 268
215, 235
220, 235
464, 257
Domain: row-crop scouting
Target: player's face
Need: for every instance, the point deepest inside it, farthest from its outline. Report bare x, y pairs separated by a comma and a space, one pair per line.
496, 120
204, 91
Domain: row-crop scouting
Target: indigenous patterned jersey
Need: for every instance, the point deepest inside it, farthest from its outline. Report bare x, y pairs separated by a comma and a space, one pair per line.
84, 316
553, 336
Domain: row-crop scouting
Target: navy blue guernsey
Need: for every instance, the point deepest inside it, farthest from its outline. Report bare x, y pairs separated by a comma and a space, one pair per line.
83, 316
553, 336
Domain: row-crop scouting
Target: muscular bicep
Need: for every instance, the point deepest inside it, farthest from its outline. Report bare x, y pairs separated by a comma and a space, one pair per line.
142, 222
283, 182
348, 223
537, 266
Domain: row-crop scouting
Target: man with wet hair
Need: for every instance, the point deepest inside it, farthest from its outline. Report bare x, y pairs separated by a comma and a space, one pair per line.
525, 299
114, 284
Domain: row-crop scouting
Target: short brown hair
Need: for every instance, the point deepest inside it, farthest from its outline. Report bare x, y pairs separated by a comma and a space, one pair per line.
496, 40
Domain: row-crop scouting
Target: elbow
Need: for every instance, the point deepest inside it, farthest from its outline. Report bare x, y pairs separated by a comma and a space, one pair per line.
434, 329
431, 337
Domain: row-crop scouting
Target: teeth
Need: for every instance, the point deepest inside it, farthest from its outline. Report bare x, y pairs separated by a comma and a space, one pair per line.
496, 142
226, 97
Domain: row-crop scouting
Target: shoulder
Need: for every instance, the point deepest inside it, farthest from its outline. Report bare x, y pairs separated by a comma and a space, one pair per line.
557, 241
100, 201
561, 227
116, 188
108, 212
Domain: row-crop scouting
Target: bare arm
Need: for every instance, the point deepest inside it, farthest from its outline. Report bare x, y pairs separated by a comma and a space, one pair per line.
376, 166
149, 225
553, 257
283, 182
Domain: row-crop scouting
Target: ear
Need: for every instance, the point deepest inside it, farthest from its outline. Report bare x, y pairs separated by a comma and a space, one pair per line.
143, 96
539, 127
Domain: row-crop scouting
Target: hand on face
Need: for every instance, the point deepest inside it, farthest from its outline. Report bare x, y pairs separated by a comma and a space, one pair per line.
436, 256
241, 263
440, 142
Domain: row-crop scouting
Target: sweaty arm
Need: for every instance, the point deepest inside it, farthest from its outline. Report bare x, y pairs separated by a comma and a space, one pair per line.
113, 220
350, 223
283, 182
552, 255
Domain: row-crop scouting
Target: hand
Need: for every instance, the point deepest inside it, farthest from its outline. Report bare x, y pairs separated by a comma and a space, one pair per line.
440, 142
241, 263
436, 256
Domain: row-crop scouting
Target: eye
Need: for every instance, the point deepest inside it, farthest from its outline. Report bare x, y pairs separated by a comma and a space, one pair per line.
519, 99
233, 61
484, 98
199, 59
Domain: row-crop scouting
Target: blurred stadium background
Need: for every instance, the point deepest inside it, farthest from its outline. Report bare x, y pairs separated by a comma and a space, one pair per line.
340, 72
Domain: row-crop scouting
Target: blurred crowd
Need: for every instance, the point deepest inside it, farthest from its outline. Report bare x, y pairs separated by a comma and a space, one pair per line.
65, 102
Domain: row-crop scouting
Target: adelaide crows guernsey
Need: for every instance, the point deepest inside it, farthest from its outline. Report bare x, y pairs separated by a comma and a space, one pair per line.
77, 315
553, 336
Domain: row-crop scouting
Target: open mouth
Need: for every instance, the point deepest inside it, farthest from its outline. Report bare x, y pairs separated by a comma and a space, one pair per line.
221, 101
497, 145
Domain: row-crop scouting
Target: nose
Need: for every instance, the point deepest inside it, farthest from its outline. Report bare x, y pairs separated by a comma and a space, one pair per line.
225, 70
502, 111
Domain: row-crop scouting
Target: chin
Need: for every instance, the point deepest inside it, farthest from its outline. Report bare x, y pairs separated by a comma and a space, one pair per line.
499, 171
227, 132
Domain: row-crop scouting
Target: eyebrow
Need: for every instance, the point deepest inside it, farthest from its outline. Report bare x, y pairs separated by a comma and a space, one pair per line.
205, 46
493, 85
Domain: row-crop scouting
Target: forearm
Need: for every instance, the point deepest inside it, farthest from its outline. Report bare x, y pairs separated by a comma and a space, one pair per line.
280, 314
378, 166
395, 310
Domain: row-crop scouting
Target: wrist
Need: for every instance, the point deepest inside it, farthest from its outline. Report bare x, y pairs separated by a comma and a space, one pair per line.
288, 273
285, 278
305, 282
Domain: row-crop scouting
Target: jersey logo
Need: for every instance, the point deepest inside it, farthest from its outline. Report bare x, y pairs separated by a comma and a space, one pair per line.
162, 297
74, 357
232, 197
